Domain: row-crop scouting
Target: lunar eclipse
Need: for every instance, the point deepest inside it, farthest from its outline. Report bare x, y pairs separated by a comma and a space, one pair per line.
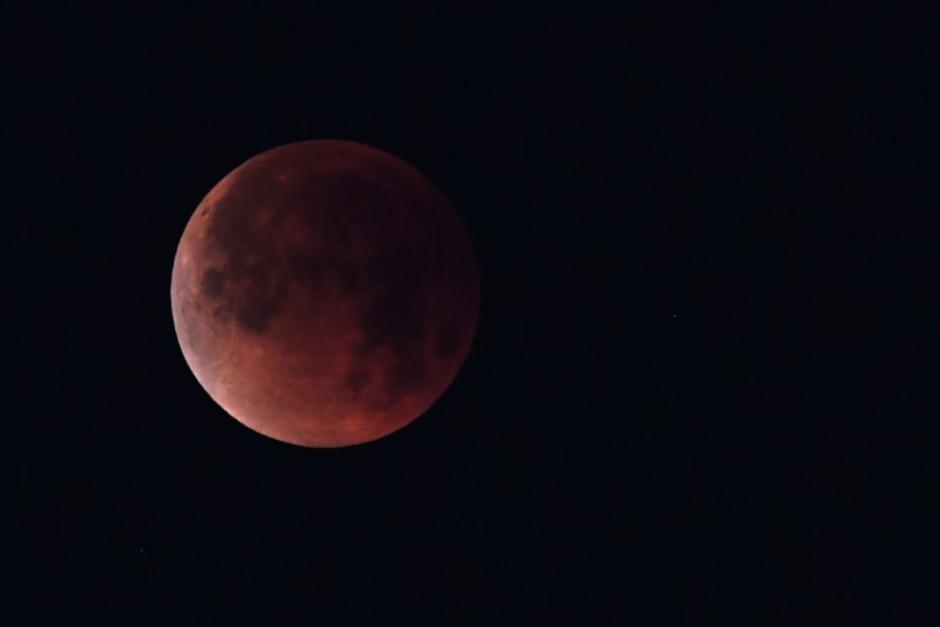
325, 293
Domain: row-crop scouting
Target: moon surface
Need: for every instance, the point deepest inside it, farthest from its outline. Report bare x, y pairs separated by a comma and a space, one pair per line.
325, 293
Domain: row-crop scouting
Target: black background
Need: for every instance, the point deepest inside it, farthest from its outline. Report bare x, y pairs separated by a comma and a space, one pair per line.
701, 390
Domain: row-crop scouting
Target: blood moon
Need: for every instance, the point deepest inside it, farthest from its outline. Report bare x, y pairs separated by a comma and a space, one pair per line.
325, 293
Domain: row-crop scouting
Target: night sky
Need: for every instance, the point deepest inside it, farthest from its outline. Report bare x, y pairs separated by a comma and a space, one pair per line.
703, 387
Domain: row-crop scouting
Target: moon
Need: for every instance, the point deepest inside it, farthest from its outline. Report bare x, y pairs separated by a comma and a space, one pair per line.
325, 293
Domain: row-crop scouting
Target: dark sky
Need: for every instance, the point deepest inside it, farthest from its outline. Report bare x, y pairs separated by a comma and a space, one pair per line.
703, 386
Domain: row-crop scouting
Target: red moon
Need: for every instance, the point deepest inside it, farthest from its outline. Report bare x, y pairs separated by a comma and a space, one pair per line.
325, 293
